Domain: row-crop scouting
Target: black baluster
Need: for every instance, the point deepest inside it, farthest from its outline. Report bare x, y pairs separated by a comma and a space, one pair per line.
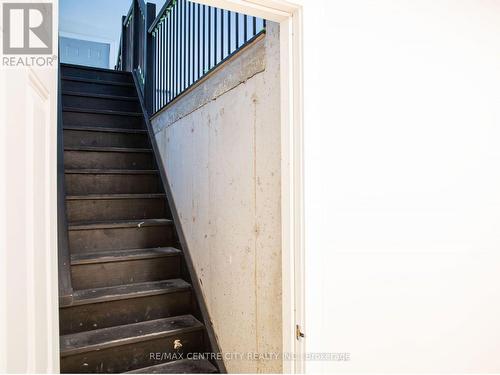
245, 24
209, 41
192, 42
185, 41
164, 58
161, 67
221, 34
215, 37
177, 49
229, 32
171, 57
167, 48
157, 57
237, 44
188, 42
199, 42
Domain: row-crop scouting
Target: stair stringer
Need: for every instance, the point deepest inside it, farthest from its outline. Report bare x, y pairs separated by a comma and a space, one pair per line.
201, 308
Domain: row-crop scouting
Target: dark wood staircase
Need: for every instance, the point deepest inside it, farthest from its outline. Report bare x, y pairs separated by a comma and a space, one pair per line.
132, 299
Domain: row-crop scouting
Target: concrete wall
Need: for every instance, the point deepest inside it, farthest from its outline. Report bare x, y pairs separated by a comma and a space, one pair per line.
221, 149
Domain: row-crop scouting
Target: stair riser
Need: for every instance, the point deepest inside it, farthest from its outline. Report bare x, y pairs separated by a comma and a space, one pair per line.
100, 103
82, 241
102, 120
129, 357
115, 209
68, 71
105, 139
87, 276
80, 184
108, 160
97, 88
109, 314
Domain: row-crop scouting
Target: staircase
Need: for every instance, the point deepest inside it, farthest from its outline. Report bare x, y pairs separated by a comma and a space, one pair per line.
133, 308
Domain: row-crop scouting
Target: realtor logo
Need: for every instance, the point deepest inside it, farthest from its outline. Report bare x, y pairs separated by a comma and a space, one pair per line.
27, 28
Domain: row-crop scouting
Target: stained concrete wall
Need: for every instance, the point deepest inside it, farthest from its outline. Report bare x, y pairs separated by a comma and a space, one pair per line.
220, 144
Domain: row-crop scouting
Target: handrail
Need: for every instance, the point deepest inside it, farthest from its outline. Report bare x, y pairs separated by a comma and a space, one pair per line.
161, 13
173, 50
129, 13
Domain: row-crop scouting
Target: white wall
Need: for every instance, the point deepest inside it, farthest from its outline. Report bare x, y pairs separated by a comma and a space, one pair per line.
29, 332
402, 156
221, 148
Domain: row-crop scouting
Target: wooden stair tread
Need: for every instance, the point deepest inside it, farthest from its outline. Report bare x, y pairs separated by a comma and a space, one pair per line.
102, 111
181, 366
99, 96
110, 171
107, 149
104, 130
123, 255
119, 224
127, 291
93, 68
98, 81
114, 196
127, 334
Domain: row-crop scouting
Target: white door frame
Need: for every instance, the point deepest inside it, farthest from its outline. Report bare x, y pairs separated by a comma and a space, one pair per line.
289, 16
29, 326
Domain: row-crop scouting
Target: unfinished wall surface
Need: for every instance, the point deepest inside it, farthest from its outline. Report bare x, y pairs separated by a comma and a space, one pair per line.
220, 145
